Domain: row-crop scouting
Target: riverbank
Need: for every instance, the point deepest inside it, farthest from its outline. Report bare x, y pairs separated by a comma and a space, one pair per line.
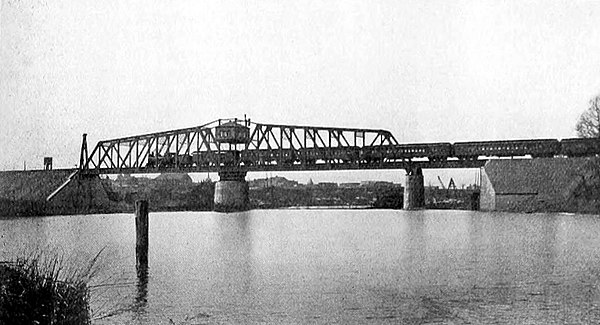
24, 193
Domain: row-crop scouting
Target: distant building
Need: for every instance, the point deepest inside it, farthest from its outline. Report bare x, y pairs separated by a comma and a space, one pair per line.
384, 184
367, 183
174, 178
125, 180
376, 184
276, 181
327, 185
349, 185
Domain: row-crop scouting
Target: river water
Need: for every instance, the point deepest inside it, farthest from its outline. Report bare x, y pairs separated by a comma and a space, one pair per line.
331, 266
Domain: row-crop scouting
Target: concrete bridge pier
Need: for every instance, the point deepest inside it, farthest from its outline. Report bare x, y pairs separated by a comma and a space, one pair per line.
414, 190
231, 192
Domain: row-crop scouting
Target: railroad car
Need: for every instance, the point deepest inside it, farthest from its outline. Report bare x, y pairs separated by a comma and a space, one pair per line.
343, 155
228, 158
579, 147
249, 157
215, 158
152, 161
186, 161
370, 155
270, 157
287, 156
311, 155
535, 148
431, 151
267, 156
169, 160
203, 158
159, 161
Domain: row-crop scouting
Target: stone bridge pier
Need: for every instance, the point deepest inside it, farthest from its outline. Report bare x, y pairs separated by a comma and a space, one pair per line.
414, 190
231, 192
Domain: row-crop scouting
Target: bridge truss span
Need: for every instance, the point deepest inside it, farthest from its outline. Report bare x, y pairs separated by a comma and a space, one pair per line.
232, 143
145, 151
271, 136
239, 144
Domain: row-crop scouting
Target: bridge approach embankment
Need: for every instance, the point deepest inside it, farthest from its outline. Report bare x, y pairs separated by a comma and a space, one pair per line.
24, 193
541, 185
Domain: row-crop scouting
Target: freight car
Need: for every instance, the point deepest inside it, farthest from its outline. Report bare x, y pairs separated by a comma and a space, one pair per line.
580, 147
535, 148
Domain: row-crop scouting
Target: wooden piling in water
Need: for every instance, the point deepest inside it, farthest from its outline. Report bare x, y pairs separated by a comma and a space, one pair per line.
141, 234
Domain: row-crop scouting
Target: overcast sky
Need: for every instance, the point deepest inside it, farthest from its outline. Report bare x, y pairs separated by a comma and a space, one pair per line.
425, 70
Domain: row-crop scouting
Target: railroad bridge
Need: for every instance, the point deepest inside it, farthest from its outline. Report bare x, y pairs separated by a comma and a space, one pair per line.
232, 147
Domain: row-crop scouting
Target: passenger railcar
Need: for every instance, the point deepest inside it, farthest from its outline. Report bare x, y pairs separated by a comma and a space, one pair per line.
579, 147
431, 151
370, 155
169, 160
311, 155
535, 148
343, 155
287, 156
269, 157
214, 158
202, 158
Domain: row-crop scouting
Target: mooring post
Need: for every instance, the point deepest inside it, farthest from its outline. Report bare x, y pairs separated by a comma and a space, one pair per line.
141, 234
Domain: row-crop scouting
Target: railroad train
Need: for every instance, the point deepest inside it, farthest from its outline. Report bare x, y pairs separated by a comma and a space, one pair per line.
575, 147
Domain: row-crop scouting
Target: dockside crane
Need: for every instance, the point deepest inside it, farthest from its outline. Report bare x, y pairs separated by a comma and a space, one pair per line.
441, 183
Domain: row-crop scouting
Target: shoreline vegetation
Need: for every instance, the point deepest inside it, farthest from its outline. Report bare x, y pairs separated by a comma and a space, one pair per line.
40, 288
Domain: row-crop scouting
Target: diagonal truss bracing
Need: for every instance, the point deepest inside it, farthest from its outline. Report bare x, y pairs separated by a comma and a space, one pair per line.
270, 136
197, 148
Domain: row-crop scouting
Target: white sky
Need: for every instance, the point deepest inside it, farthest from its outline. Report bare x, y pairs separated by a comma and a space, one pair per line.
425, 70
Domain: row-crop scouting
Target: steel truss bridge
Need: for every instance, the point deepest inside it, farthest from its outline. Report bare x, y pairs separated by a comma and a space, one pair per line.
239, 145
267, 147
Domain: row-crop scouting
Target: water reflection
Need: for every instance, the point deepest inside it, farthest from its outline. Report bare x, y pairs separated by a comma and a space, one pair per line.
340, 266
141, 297
236, 263
13, 241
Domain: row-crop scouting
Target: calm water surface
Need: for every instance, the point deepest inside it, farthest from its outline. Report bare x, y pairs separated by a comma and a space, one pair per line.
332, 266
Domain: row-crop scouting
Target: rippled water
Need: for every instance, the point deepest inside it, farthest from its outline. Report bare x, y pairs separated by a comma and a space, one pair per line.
333, 266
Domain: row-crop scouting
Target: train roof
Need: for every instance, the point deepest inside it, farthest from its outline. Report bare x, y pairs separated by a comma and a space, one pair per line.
505, 141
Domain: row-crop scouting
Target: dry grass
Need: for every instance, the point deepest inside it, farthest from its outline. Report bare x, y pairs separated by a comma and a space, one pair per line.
41, 289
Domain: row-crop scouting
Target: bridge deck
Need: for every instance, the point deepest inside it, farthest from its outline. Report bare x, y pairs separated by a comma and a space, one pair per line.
297, 167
